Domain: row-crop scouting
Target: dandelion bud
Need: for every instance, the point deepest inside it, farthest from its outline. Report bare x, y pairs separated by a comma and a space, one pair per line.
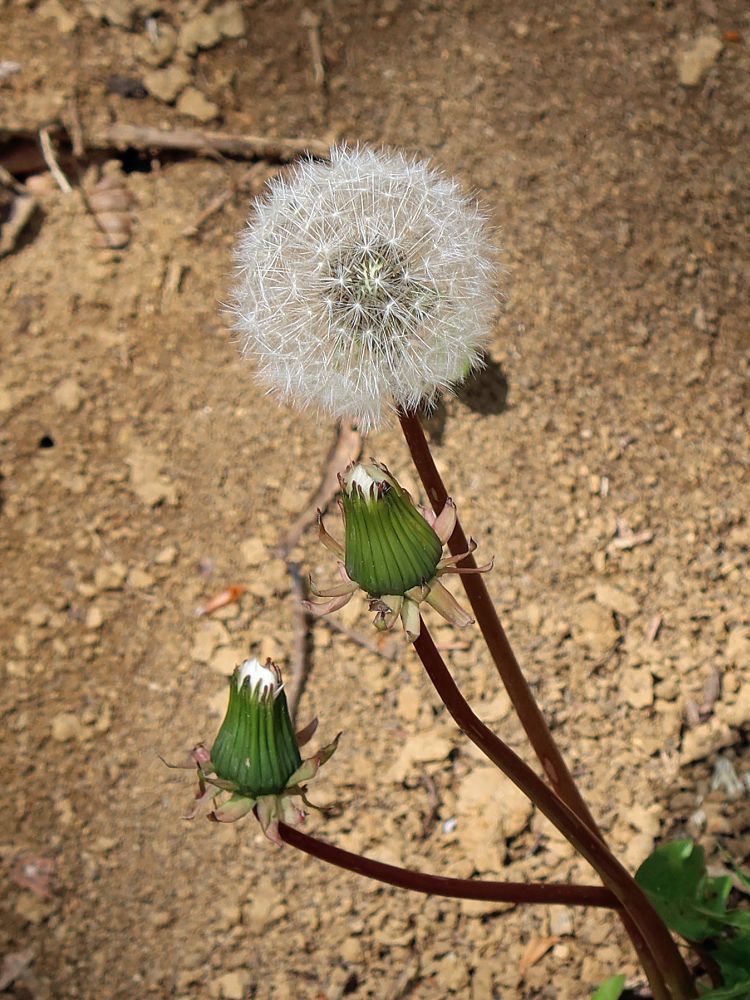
255, 763
256, 748
393, 551
365, 284
389, 547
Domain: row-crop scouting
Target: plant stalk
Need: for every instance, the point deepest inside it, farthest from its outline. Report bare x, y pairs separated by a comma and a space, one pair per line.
586, 841
455, 888
521, 696
519, 692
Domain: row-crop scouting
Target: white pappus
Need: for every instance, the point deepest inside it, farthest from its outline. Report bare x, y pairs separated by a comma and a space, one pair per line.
365, 283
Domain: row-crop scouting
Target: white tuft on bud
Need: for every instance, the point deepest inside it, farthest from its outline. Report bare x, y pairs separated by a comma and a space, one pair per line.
260, 679
366, 477
365, 283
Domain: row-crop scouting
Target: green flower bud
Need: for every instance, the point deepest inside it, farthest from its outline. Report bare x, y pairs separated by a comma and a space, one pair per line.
256, 748
389, 547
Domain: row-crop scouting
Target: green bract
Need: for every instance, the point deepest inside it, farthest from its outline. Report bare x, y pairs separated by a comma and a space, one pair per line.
393, 551
256, 748
389, 546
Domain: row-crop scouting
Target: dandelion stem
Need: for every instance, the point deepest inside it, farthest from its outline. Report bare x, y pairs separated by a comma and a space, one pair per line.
507, 665
456, 888
520, 693
646, 928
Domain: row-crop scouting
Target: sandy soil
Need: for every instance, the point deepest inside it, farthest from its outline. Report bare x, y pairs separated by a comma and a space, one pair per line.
603, 461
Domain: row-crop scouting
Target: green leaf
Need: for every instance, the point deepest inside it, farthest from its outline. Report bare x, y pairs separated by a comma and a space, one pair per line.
686, 897
732, 955
742, 878
740, 919
611, 989
694, 904
740, 991
712, 897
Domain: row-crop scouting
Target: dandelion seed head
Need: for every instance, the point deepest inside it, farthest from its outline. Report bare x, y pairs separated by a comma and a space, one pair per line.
365, 283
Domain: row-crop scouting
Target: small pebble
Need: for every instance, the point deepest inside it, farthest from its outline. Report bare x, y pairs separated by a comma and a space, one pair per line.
166, 84
66, 726
94, 617
195, 104
68, 395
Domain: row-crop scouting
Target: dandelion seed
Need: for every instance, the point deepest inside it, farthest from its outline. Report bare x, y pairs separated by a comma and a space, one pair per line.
365, 284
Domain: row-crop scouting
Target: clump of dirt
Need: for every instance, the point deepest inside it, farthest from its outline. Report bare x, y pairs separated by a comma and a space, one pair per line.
603, 459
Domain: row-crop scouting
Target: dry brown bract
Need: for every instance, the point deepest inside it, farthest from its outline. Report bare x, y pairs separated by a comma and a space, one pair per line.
110, 203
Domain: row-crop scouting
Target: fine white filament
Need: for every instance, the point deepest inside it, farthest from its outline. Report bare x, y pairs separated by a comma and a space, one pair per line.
365, 283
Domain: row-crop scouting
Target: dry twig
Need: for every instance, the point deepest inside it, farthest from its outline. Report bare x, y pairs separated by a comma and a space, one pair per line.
311, 21
254, 178
214, 206
346, 449
48, 152
173, 275
626, 538
8, 180
711, 692
652, 629
75, 129
21, 212
300, 625
389, 651
433, 803
14, 965
144, 137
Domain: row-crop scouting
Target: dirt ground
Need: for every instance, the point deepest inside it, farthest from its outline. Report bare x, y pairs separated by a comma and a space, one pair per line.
603, 460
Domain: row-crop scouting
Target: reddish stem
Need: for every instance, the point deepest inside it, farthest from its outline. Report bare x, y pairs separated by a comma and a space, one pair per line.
521, 696
529, 713
647, 930
456, 888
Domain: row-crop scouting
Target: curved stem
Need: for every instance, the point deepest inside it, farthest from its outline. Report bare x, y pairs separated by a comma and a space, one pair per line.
586, 841
456, 888
519, 692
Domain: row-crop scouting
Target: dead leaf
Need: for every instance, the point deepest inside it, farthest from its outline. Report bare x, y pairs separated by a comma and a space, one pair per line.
537, 948
34, 872
228, 596
14, 964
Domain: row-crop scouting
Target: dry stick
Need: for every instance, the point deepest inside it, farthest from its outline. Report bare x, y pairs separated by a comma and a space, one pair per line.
48, 153
192, 140
300, 628
214, 206
253, 178
456, 888
23, 208
586, 841
523, 700
311, 21
345, 450
389, 651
